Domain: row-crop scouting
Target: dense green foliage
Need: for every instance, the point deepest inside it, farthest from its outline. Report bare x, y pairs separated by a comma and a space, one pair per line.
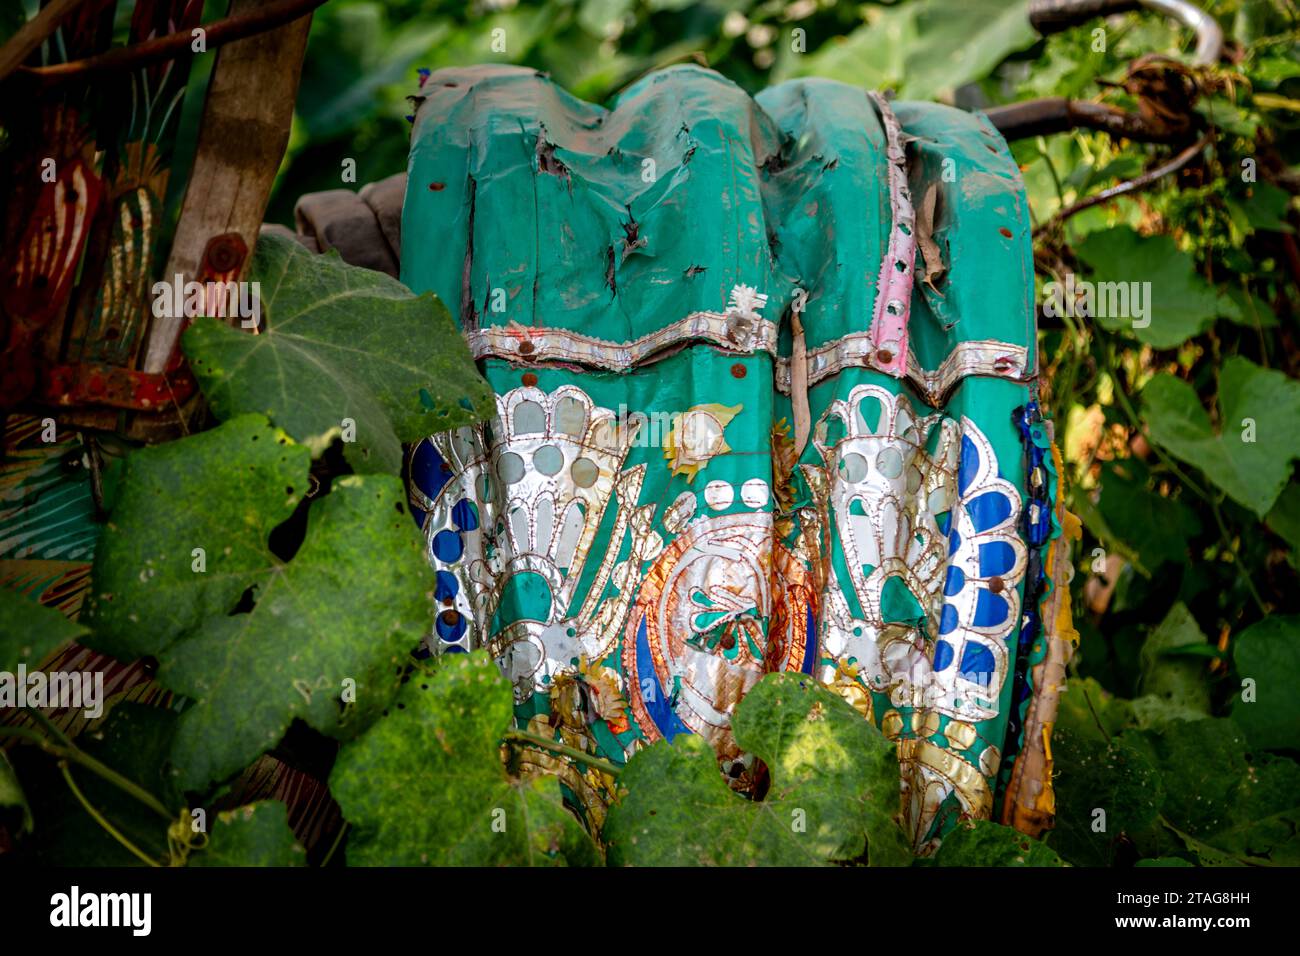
1181, 723
1179, 435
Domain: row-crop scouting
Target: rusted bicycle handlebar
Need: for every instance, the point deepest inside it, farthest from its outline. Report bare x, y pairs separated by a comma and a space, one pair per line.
1043, 117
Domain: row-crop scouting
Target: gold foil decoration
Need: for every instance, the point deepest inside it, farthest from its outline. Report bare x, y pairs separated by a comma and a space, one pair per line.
697, 436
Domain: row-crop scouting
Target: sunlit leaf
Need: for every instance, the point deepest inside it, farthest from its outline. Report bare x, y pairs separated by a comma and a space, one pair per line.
1249, 455
834, 792
339, 343
426, 785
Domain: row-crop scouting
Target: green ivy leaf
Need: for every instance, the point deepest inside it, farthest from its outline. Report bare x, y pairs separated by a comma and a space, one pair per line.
30, 632
1181, 303
1093, 774
343, 615
222, 491
984, 843
1177, 681
1201, 763
1253, 472
1154, 527
426, 785
833, 796
340, 342
256, 834
349, 606
1268, 652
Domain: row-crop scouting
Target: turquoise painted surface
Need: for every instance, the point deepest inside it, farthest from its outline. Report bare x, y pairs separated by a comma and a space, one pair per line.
528, 209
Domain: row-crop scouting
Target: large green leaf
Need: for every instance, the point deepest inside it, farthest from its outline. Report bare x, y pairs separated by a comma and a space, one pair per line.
30, 632
1180, 303
984, 843
1265, 809
256, 834
1157, 529
220, 491
325, 642
340, 342
925, 49
834, 793
1268, 653
1249, 457
1089, 711
340, 616
1178, 681
426, 785
1284, 520
1225, 806
1091, 775
1201, 763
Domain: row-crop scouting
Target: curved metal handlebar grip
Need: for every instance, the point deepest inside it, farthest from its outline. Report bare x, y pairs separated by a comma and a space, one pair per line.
1053, 16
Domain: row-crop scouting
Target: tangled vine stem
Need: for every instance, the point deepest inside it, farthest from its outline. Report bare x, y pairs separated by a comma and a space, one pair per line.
1147, 179
537, 740
338, 840
63, 748
101, 819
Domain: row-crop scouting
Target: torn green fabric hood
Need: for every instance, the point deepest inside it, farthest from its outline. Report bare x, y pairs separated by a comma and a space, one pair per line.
737, 432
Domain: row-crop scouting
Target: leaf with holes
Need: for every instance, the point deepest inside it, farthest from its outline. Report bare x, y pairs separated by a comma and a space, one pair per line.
340, 342
325, 642
189, 533
426, 785
340, 615
1249, 455
833, 797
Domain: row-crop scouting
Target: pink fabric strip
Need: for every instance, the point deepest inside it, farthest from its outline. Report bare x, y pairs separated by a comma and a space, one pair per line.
894, 287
